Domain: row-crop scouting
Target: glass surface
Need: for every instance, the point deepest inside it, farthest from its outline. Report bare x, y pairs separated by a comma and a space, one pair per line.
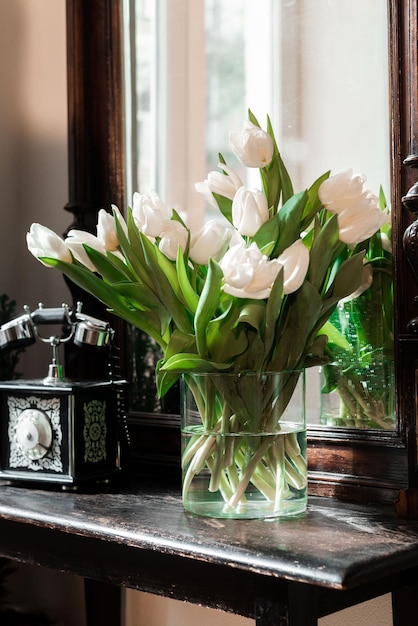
319, 68
244, 444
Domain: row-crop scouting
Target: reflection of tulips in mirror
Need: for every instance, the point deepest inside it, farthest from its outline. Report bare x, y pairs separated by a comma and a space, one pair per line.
358, 386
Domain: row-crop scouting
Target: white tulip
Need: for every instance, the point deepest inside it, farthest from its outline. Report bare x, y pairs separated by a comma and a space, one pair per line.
295, 263
248, 273
361, 220
150, 213
173, 236
223, 184
77, 239
209, 242
358, 211
252, 146
249, 210
340, 189
106, 228
44, 242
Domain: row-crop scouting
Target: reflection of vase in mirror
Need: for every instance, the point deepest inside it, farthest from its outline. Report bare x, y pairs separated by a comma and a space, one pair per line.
358, 386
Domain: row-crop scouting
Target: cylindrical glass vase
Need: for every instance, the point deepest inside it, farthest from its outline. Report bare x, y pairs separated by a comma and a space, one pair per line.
244, 444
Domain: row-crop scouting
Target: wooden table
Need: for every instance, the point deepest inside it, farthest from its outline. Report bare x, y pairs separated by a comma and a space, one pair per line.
282, 572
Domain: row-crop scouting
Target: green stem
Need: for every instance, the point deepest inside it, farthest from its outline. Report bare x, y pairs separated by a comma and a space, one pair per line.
249, 470
294, 455
280, 474
295, 477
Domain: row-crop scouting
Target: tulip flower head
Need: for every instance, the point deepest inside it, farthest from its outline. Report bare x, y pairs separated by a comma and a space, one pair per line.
225, 183
357, 208
252, 146
295, 263
44, 242
106, 228
249, 210
77, 239
172, 236
248, 273
209, 242
150, 213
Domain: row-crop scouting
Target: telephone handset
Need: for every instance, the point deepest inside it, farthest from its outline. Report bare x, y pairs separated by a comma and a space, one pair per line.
55, 429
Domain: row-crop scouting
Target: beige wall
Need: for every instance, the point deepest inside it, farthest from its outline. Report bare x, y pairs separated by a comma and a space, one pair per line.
33, 187
146, 610
33, 149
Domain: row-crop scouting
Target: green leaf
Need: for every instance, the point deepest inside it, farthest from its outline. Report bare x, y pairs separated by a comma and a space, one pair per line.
107, 266
289, 218
334, 336
323, 251
132, 249
190, 296
177, 218
224, 340
180, 343
142, 298
124, 267
273, 310
165, 283
189, 362
313, 204
348, 278
298, 330
252, 312
267, 234
285, 180
382, 198
164, 380
225, 206
208, 303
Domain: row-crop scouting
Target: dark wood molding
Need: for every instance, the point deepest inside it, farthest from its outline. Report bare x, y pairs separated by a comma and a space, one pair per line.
95, 109
96, 164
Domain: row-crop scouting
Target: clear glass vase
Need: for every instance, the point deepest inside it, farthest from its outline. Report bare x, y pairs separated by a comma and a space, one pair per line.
244, 444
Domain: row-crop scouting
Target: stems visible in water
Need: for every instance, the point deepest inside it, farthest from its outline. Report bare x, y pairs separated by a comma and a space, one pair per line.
240, 442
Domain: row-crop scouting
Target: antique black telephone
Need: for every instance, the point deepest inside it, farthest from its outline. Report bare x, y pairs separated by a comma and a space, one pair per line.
55, 429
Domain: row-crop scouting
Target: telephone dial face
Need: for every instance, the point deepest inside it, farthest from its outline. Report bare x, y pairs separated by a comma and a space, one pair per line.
65, 435
33, 434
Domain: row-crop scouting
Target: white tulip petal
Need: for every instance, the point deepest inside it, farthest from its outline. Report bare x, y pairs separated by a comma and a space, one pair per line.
44, 242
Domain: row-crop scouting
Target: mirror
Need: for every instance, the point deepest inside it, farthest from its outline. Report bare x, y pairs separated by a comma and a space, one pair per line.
323, 78
347, 463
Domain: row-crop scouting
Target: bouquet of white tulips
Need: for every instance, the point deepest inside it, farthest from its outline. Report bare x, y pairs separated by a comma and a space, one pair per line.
249, 291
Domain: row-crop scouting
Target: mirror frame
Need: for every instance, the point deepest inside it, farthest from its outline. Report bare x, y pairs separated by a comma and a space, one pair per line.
378, 466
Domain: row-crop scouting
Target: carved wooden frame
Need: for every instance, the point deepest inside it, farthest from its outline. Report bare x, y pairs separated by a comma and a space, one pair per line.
348, 464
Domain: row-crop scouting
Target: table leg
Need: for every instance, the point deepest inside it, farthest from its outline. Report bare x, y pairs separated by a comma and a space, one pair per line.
403, 602
282, 603
103, 602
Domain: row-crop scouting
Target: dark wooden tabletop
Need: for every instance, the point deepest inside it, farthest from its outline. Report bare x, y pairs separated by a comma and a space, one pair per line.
139, 536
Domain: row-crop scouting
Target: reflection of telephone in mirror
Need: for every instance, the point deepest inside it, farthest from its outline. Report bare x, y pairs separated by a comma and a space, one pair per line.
56, 429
